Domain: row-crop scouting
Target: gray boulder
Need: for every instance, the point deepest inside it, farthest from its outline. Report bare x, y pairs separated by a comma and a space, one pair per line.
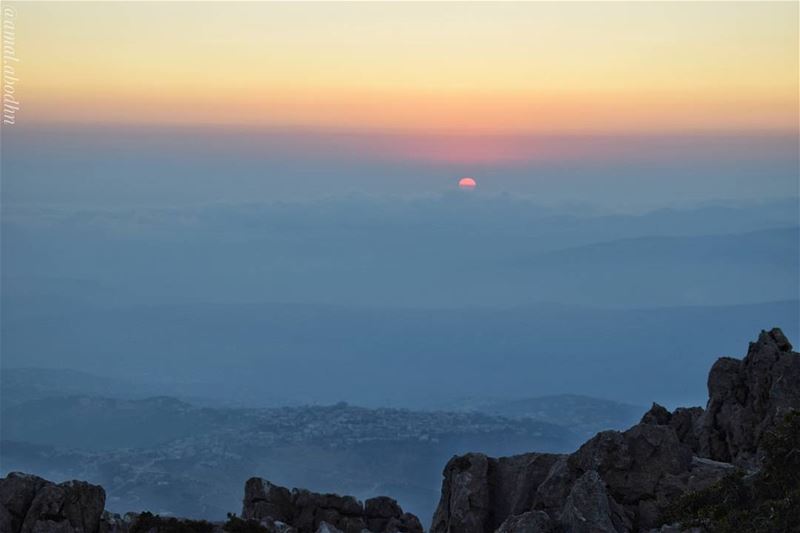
479, 493
306, 512
262, 499
590, 509
529, 522
325, 527
643, 468
620, 481
633, 463
464, 505
69, 507
17, 491
30, 504
747, 398
384, 514
657, 415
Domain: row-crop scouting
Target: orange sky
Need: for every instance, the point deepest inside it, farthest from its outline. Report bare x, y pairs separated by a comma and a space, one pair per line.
452, 67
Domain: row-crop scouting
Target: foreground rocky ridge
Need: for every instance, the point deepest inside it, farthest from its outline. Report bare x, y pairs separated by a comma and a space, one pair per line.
30, 504
624, 481
616, 482
307, 511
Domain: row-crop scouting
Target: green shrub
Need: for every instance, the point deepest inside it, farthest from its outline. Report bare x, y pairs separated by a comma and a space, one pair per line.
147, 522
237, 525
766, 502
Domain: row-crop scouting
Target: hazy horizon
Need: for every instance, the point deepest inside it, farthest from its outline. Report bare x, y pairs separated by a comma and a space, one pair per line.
235, 239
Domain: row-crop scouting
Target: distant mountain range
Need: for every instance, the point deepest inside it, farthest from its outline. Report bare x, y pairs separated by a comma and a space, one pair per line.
431, 252
265, 355
141, 447
671, 270
581, 414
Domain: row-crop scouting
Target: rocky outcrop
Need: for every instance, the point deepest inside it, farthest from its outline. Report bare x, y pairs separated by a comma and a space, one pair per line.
590, 509
623, 481
617, 481
747, 398
30, 504
17, 492
528, 522
480, 492
309, 512
636, 472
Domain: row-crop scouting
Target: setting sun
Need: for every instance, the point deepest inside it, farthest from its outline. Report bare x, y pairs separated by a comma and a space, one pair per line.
467, 183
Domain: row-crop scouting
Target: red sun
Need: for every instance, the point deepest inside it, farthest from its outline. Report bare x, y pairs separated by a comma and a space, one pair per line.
467, 183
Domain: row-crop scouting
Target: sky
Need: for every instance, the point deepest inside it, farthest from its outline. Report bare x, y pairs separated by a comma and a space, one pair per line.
627, 100
457, 68
627, 155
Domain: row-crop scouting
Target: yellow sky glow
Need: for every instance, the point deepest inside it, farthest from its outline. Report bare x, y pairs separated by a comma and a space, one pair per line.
455, 67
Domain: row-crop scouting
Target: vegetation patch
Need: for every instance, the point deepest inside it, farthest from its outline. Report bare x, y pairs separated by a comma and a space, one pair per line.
150, 523
237, 525
765, 502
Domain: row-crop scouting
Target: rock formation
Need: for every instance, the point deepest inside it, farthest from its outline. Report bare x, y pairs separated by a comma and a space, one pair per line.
470, 501
30, 504
622, 481
747, 397
308, 512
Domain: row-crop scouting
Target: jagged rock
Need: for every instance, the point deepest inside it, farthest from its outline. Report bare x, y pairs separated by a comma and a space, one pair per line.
263, 499
311, 509
30, 504
554, 489
116, 523
384, 514
685, 421
529, 522
609, 453
641, 470
7, 522
382, 507
17, 491
676, 528
69, 507
634, 463
407, 523
464, 504
747, 398
590, 509
479, 493
657, 415
515, 480
325, 527
306, 511
638, 472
